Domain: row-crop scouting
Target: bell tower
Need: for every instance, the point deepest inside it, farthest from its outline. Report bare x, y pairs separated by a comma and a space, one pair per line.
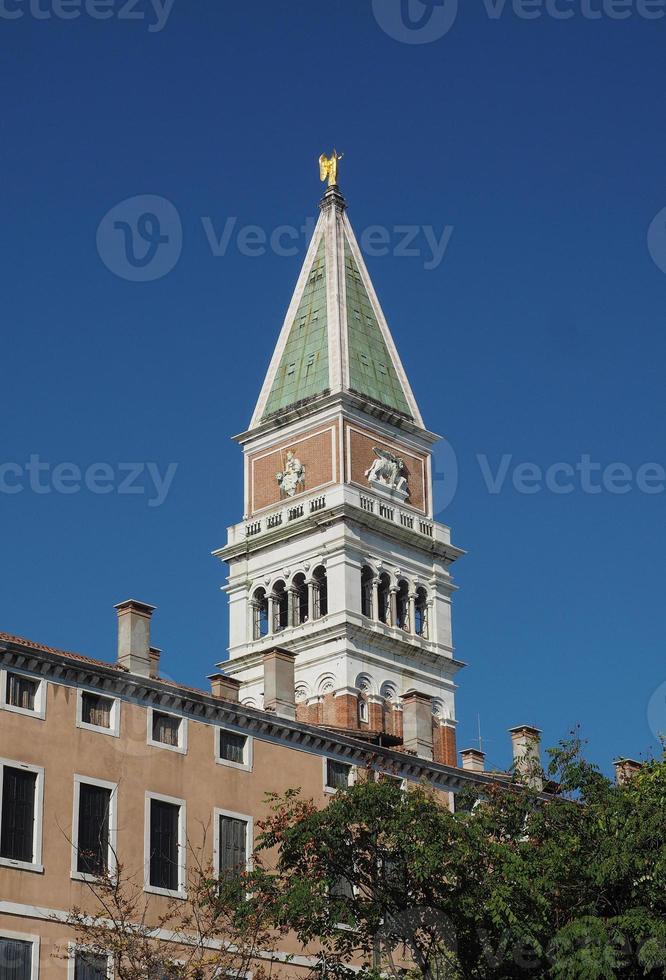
338, 558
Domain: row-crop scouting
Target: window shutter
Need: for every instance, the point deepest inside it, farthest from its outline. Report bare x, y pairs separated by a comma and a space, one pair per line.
93, 840
18, 814
87, 966
233, 844
163, 844
232, 746
15, 959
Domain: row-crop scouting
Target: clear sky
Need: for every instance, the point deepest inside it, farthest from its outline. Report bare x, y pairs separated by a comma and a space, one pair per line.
535, 146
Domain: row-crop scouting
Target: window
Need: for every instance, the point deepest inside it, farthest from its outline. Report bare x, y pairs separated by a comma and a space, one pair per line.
21, 693
259, 604
363, 710
19, 956
402, 606
280, 607
90, 966
233, 748
98, 713
94, 828
300, 592
167, 731
384, 599
337, 775
367, 578
165, 832
421, 613
233, 843
21, 815
320, 592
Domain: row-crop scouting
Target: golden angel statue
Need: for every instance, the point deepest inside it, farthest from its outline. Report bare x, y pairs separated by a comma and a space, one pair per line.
328, 167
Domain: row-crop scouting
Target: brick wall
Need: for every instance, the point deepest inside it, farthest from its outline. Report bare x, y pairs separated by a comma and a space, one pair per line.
359, 457
317, 452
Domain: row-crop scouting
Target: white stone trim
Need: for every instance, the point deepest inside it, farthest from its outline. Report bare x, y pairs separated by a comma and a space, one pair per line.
36, 863
114, 717
40, 695
381, 320
248, 750
249, 836
25, 937
73, 948
181, 891
112, 862
287, 323
182, 730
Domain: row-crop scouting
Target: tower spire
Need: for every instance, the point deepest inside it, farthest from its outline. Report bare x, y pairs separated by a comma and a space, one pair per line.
335, 337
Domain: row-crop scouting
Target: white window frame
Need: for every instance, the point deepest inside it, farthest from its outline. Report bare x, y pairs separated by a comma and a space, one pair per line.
112, 860
182, 731
36, 863
25, 937
332, 790
74, 948
181, 891
39, 710
249, 837
114, 729
248, 753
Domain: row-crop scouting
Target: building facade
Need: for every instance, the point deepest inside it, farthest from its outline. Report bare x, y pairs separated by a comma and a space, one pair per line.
340, 650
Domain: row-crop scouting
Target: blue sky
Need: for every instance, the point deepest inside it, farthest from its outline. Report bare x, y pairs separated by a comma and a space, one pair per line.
539, 338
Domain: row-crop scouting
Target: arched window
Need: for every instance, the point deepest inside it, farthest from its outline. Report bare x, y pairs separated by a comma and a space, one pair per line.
384, 599
320, 588
367, 577
402, 606
300, 592
363, 710
421, 624
280, 607
259, 614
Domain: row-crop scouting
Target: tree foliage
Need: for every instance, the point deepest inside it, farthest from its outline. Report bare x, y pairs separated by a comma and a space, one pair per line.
510, 885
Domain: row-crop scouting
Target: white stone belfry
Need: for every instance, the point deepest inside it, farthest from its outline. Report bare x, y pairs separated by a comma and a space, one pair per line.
338, 559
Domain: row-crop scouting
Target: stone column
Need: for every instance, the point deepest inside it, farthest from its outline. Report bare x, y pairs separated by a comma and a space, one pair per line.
311, 599
375, 599
271, 613
412, 613
393, 606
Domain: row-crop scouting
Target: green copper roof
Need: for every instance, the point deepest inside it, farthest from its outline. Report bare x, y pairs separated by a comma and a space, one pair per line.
303, 369
371, 370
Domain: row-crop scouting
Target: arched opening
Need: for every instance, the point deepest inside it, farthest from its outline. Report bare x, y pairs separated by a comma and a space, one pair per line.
363, 715
320, 589
384, 599
259, 614
402, 606
300, 592
421, 613
280, 607
367, 577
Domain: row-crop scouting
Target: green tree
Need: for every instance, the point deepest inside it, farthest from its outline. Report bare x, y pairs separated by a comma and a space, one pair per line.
513, 884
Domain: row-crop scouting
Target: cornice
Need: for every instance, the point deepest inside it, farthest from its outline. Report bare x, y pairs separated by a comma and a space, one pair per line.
61, 669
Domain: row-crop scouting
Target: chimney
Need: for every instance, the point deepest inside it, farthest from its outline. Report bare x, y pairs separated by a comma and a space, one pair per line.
473, 760
154, 654
526, 744
625, 770
134, 637
417, 724
279, 685
224, 687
